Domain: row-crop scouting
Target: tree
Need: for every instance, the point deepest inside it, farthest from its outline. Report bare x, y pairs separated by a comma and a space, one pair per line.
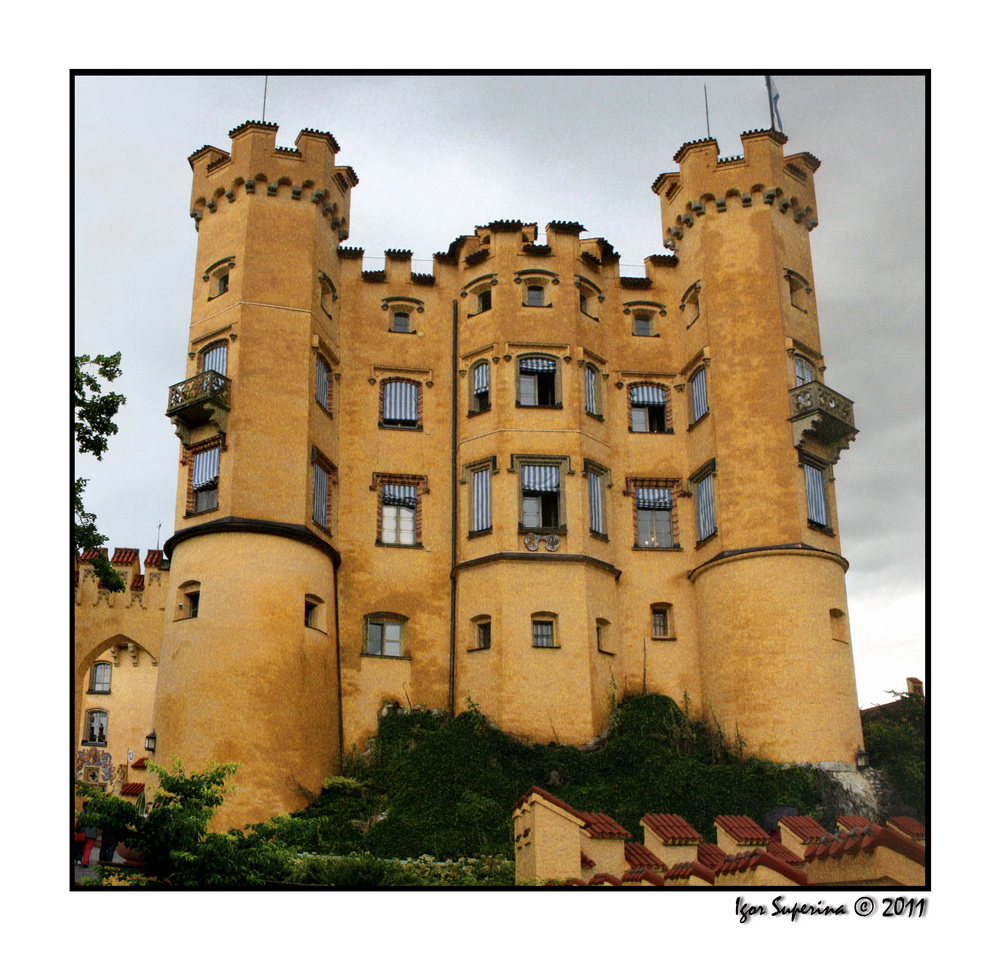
896, 743
173, 840
93, 423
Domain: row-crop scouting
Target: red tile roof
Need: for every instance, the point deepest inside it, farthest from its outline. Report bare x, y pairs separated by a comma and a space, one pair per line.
639, 856
778, 850
865, 841
153, 559
602, 826
125, 555
909, 826
586, 862
852, 821
598, 879
686, 868
140, 764
640, 875
804, 828
132, 789
671, 828
711, 855
138, 583
92, 552
752, 860
743, 829
552, 799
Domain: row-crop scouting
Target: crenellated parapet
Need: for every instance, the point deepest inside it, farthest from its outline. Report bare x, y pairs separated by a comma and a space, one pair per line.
257, 167
143, 588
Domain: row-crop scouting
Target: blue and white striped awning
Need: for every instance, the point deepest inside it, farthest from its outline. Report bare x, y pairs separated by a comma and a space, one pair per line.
206, 469
481, 500
699, 395
215, 359
399, 401
536, 364
399, 495
539, 478
591, 390
481, 379
816, 495
645, 394
653, 498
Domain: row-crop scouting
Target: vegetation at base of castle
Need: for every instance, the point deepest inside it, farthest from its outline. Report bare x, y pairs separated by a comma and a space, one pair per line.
173, 840
94, 415
366, 871
446, 788
896, 743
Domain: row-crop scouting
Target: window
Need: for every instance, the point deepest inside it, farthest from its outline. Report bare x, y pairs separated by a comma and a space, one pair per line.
324, 474
481, 508
400, 322
214, 357
603, 631
662, 616
642, 325
205, 480
95, 729
400, 404
648, 409
691, 303
543, 630
597, 480
583, 302
484, 300
217, 277
817, 511
482, 629
704, 489
100, 678
327, 294
838, 626
798, 289
310, 613
699, 395
805, 373
323, 382
384, 635
540, 502
654, 517
192, 602
537, 382
591, 390
399, 512
188, 600
480, 387
314, 612
222, 283
534, 295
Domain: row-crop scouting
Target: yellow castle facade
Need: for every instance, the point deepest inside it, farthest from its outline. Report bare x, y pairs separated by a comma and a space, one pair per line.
523, 480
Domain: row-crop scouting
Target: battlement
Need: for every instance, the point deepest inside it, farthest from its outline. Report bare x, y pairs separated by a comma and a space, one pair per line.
257, 166
125, 561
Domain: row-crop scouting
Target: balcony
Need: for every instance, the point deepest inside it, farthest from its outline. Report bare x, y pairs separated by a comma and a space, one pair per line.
202, 399
822, 420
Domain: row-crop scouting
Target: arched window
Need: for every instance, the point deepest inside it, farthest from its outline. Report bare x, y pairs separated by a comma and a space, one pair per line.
480, 383
214, 357
95, 728
805, 372
188, 600
100, 678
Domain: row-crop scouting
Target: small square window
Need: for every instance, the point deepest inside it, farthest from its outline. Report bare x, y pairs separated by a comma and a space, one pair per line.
385, 638
535, 295
484, 300
543, 634
648, 409
642, 325
537, 382
401, 322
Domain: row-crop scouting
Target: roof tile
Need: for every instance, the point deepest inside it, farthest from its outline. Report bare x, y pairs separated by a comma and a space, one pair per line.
132, 789
639, 856
742, 829
643, 874
671, 829
602, 826
711, 855
153, 559
125, 555
599, 879
909, 826
804, 828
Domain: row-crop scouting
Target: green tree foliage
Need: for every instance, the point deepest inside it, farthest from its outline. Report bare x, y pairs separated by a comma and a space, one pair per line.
94, 412
896, 743
446, 788
173, 840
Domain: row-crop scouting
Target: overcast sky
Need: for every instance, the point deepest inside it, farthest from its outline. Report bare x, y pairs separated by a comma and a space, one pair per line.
437, 155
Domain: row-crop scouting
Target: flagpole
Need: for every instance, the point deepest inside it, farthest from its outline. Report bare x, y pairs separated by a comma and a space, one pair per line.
770, 97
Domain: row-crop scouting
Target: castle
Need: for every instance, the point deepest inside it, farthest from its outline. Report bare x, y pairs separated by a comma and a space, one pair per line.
523, 480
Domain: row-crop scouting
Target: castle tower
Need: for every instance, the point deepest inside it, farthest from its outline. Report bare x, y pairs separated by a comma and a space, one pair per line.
248, 671
776, 662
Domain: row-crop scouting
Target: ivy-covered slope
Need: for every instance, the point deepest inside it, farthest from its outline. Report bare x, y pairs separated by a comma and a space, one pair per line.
446, 787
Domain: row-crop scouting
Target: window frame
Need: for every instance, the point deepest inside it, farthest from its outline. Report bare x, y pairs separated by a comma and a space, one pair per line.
482, 629
703, 480
219, 348
322, 364
379, 484
800, 361
556, 385
397, 328
698, 395
99, 687
538, 620
475, 406
400, 423
593, 387
691, 300
816, 476
666, 611
562, 465
598, 479
88, 728
384, 619
196, 504
322, 465
217, 276
602, 628
673, 487
477, 499
642, 317
664, 410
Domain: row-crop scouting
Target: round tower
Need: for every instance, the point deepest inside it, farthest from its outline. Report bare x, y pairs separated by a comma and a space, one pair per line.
776, 664
249, 667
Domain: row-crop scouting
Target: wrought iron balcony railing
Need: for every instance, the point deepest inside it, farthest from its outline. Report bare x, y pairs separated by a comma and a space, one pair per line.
199, 400
823, 414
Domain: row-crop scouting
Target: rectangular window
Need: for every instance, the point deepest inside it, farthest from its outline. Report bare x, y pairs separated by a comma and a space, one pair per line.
321, 495
642, 325
537, 382
385, 638
191, 602
484, 634
699, 395
653, 510
205, 480
539, 496
100, 680
322, 383
660, 623
399, 512
485, 300
816, 506
96, 730
535, 295
401, 322
590, 395
400, 404
481, 517
649, 409
596, 483
543, 634
481, 388
705, 501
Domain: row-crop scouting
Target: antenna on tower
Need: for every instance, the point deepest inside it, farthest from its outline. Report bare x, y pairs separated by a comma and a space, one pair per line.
708, 127
263, 109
